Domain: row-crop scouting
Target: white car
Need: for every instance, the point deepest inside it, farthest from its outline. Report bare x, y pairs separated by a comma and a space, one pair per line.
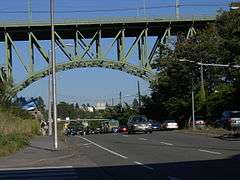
169, 124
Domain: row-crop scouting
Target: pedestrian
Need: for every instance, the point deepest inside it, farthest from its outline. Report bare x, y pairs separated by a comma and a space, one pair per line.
44, 128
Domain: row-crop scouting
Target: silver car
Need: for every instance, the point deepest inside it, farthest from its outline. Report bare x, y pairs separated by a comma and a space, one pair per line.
230, 120
139, 123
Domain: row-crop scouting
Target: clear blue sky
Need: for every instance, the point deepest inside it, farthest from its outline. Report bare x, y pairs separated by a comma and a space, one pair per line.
90, 85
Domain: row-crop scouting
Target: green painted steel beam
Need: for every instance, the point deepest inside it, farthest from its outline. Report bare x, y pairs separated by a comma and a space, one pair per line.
110, 64
88, 51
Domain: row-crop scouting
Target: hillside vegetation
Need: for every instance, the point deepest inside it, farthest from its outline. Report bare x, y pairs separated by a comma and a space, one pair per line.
16, 129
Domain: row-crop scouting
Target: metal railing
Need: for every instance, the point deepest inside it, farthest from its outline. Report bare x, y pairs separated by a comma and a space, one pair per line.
107, 20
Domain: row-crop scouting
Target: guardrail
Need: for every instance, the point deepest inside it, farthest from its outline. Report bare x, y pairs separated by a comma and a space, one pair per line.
107, 20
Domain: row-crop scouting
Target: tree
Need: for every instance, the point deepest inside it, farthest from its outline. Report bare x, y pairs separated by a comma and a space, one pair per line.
171, 92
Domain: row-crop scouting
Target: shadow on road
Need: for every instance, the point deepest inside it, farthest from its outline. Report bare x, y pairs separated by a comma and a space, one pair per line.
195, 170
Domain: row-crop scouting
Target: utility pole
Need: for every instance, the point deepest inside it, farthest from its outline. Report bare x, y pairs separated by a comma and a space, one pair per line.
202, 82
177, 9
29, 11
139, 96
193, 104
49, 95
53, 74
144, 7
120, 99
112, 102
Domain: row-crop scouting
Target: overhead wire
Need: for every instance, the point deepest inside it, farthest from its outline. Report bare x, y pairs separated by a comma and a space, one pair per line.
114, 9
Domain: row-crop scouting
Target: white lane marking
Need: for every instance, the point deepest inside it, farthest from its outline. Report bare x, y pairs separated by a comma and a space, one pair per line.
211, 152
142, 139
141, 164
138, 163
86, 144
36, 168
165, 143
108, 150
172, 178
125, 135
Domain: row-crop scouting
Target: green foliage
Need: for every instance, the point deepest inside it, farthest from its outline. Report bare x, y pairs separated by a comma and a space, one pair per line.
11, 143
15, 131
119, 113
171, 92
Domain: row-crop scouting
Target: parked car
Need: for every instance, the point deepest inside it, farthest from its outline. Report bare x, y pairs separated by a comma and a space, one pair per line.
156, 125
97, 130
123, 129
169, 125
200, 121
230, 120
109, 126
139, 123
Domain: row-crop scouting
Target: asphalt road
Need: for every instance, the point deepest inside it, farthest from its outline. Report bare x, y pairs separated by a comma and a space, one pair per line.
160, 155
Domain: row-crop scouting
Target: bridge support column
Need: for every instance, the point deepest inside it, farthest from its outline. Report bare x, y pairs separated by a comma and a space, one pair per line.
31, 54
98, 45
121, 46
8, 59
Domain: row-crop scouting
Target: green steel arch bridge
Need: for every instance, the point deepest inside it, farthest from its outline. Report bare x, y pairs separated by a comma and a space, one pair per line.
87, 50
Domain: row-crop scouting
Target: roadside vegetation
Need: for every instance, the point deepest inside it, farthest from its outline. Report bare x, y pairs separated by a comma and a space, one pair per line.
16, 126
220, 89
16, 129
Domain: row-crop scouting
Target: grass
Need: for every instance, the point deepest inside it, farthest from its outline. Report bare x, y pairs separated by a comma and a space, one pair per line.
15, 131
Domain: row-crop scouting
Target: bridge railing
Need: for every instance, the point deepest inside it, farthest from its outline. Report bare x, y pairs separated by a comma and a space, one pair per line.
107, 20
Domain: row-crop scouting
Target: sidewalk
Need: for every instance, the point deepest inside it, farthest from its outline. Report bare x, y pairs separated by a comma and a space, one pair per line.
40, 151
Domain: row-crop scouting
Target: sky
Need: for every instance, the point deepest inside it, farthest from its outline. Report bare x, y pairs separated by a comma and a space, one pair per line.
89, 85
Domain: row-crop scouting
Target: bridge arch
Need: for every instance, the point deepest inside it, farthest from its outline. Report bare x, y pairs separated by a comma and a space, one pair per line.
144, 73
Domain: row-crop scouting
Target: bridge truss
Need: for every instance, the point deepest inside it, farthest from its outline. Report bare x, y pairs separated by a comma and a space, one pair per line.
87, 48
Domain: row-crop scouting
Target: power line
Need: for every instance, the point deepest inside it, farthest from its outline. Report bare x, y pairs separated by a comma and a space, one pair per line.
113, 10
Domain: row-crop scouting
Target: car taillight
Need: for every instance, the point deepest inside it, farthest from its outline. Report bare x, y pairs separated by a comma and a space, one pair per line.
124, 129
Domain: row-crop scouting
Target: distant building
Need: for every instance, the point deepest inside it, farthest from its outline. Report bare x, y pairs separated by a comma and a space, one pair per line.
90, 109
100, 106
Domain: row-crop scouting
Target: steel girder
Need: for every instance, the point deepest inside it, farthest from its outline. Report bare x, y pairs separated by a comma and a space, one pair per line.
88, 52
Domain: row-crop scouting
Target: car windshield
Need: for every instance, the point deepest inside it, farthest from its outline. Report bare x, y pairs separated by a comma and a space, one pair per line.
170, 121
235, 114
140, 119
199, 118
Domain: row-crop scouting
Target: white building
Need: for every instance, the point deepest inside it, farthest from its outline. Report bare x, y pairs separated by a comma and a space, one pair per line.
100, 106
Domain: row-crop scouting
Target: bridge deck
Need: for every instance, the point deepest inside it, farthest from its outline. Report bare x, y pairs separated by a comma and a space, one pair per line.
66, 28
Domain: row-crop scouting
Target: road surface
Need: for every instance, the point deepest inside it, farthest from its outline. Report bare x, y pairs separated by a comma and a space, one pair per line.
160, 155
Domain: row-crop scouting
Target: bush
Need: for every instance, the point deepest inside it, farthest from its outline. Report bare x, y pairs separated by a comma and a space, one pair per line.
15, 131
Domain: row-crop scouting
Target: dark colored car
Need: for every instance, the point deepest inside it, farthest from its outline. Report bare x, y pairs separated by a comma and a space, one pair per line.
156, 125
139, 123
123, 129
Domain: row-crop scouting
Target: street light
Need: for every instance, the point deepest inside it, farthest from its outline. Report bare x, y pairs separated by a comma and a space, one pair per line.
204, 64
211, 64
50, 89
53, 74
